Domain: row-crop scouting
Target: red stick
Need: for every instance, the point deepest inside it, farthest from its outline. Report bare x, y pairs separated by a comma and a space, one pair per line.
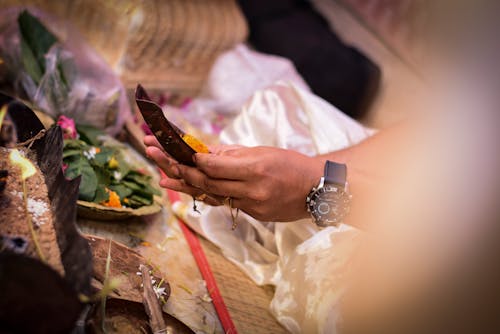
206, 272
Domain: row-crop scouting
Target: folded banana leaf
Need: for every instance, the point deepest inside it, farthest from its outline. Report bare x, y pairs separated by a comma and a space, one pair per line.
167, 133
63, 194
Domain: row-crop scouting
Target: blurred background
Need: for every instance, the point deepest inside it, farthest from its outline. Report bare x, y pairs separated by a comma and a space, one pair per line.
361, 56
435, 267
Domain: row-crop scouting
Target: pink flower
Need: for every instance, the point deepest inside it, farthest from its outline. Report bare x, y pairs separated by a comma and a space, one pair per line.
68, 127
64, 167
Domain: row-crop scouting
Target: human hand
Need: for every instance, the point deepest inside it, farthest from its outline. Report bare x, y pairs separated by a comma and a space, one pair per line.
268, 183
170, 167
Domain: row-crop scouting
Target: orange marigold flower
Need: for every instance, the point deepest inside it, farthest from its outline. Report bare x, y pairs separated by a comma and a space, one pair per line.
195, 143
113, 201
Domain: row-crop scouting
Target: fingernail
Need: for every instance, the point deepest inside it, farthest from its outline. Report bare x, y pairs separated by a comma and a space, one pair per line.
194, 157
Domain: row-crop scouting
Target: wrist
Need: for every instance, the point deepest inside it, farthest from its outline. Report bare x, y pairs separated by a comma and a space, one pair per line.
314, 175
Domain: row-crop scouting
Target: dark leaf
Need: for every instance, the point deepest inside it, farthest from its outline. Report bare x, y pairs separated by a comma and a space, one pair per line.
75, 251
167, 133
30, 63
36, 36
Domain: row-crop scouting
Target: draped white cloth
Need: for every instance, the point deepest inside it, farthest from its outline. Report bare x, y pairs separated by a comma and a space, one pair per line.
301, 261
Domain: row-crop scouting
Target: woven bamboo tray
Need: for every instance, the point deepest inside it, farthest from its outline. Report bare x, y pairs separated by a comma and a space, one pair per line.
167, 44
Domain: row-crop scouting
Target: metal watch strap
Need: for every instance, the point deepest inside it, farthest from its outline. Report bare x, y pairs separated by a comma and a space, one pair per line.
335, 173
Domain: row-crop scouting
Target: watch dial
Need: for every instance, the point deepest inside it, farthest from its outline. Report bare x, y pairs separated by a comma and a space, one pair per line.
328, 205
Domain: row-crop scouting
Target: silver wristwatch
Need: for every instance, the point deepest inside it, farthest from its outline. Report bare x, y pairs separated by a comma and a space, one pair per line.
329, 202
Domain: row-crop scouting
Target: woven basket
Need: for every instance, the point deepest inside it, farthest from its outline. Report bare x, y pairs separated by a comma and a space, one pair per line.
164, 44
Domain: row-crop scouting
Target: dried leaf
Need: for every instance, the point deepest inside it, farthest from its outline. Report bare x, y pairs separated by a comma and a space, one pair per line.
124, 260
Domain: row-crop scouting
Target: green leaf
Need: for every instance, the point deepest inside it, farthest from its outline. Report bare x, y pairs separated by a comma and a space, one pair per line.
154, 190
121, 190
101, 195
101, 159
140, 179
132, 185
75, 144
37, 38
131, 203
88, 183
140, 199
30, 63
103, 176
123, 166
89, 134
71, 152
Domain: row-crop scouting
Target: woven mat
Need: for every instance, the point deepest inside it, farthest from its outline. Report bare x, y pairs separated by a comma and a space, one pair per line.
247, 303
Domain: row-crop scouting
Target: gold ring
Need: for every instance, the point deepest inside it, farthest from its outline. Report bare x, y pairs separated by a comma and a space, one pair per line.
201, 197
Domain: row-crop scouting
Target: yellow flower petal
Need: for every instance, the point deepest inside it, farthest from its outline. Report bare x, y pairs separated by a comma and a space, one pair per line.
27, 168
195, 143
113, 163
3, 112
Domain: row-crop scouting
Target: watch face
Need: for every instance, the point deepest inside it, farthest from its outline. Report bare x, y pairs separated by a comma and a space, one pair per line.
328, 205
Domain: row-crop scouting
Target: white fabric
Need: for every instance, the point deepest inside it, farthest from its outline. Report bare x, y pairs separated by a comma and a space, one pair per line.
234, 77
300, 260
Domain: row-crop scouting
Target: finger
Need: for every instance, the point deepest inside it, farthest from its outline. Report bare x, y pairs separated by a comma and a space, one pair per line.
223, 166
167, 164
180, 185
198, 194
198, 179
152, 141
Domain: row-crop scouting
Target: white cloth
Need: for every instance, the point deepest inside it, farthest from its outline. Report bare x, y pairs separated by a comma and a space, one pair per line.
300, 260
234, 77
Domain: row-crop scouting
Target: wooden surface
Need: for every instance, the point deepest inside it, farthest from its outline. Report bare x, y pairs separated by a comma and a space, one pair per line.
247, 302
160, 241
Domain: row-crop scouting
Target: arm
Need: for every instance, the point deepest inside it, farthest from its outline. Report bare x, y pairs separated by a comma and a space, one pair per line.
271, 184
